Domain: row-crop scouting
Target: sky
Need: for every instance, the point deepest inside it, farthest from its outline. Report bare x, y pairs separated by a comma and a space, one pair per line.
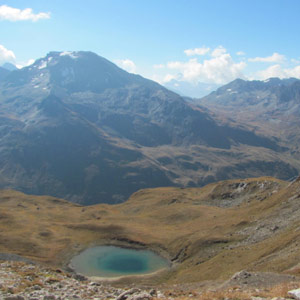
192, 41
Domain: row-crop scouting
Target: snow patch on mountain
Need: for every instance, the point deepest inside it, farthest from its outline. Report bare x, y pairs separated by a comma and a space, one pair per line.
42, 65
69, 53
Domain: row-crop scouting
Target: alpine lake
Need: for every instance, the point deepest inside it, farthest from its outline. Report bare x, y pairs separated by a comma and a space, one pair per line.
112, 261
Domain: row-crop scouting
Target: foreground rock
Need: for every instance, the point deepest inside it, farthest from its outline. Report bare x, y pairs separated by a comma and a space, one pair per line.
23, 281
295, 294
259, 279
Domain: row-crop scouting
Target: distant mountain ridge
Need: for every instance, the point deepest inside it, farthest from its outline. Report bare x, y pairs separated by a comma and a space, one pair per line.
273, 105
74, 125
247, 91
5, 69
9, 66
193, 90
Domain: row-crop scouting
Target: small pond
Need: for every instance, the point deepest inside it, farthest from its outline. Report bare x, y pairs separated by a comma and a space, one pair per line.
111, 261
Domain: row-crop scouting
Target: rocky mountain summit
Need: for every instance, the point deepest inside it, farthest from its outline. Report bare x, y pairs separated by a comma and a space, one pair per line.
76, 126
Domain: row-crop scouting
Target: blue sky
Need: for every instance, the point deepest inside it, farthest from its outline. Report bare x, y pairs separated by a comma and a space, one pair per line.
186, 40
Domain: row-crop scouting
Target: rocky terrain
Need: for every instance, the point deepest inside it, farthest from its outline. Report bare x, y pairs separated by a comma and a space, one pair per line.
26, 281
22, 281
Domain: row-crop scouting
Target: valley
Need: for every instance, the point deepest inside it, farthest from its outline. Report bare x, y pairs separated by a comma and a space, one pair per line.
227, 226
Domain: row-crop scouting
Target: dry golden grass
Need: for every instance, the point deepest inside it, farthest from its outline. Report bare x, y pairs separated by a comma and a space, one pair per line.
181, 224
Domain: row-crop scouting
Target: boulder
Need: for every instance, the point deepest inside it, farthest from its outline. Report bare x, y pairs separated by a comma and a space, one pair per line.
295, 294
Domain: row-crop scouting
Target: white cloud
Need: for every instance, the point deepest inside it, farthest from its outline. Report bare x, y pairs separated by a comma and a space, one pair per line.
278, 71
196, 51
164, 78
220, 69
6, 55
219, 51
159, 66
274, 58
15, 14
30, 62
295, 61
293, 72
26, 64
9, 56
127, 65
168, 78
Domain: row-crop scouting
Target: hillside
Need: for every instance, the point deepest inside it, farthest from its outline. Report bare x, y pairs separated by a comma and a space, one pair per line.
229, 226
74, 125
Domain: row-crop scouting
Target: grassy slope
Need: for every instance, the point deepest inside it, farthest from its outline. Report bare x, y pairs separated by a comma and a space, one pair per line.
209, 232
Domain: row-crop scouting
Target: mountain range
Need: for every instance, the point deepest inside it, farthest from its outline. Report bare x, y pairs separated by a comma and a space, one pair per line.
272, 106
74, 125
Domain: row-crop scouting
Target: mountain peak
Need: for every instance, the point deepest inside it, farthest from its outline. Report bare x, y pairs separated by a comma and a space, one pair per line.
75, 71
55, 57
73, 54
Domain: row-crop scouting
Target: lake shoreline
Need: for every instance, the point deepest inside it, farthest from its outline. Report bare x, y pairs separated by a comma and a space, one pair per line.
114, 260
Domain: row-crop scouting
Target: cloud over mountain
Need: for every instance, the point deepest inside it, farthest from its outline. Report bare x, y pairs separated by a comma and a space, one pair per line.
220, 68
126, 64
6, 55
278, 71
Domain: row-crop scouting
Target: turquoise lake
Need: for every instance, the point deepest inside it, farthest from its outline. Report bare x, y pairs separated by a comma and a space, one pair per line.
111, 261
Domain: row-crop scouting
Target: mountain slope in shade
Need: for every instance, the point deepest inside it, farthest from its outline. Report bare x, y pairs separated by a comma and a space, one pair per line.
9, 67
74, 125
3, 73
